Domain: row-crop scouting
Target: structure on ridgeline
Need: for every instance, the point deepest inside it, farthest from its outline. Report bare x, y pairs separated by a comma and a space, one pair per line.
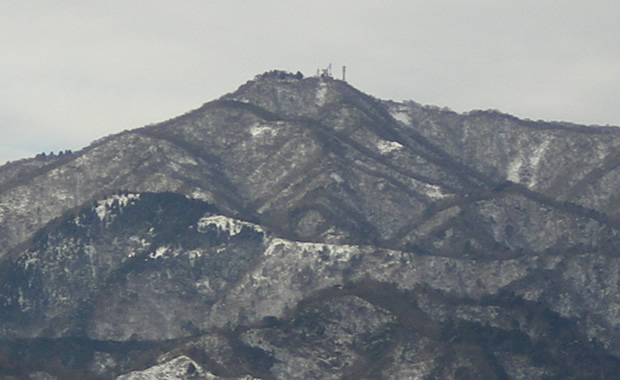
327, 72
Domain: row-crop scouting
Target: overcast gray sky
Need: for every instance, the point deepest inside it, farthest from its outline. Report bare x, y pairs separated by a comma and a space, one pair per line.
74, 71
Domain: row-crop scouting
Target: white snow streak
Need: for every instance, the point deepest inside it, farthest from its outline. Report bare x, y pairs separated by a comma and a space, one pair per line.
513, 170
529, 161
321, 94
535, 160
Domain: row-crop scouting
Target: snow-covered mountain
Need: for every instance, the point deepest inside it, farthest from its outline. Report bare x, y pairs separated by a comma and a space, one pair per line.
298, 228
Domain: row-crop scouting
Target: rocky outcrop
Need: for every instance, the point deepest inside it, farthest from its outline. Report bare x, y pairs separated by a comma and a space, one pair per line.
298, 228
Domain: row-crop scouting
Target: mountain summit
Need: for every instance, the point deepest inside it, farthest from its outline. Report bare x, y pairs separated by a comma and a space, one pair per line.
299, 228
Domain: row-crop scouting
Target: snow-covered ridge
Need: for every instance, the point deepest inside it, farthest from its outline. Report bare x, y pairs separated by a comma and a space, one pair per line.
225, 224
178, 368
104, 206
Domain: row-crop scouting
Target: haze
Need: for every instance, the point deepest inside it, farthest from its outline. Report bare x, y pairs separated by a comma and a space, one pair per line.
75, 71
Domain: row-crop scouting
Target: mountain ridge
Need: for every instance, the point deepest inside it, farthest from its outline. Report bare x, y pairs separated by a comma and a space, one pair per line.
259, 224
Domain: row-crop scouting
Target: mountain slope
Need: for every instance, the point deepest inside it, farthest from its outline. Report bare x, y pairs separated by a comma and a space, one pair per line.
298, 228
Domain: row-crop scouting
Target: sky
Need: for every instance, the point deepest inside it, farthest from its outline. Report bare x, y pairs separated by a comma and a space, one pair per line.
73, 71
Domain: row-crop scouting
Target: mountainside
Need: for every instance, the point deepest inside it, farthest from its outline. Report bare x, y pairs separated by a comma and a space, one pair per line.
298, 228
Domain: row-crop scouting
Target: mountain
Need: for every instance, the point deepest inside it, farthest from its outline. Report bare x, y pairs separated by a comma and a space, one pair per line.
299, 228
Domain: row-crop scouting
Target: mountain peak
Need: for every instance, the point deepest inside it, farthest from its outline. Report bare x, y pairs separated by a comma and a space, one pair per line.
299, 221
291, 95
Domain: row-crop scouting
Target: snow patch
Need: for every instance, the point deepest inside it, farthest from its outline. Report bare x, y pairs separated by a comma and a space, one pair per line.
337, 178
194, 254
225, 224
103, 206
262, 130
181, 367
434, 192
333, 236
30, 261
143, 243
338, 252
204, 286
185, 160
159, 252
202, 196
139, 244
401, 115
277, 243
386, 147
538, 153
